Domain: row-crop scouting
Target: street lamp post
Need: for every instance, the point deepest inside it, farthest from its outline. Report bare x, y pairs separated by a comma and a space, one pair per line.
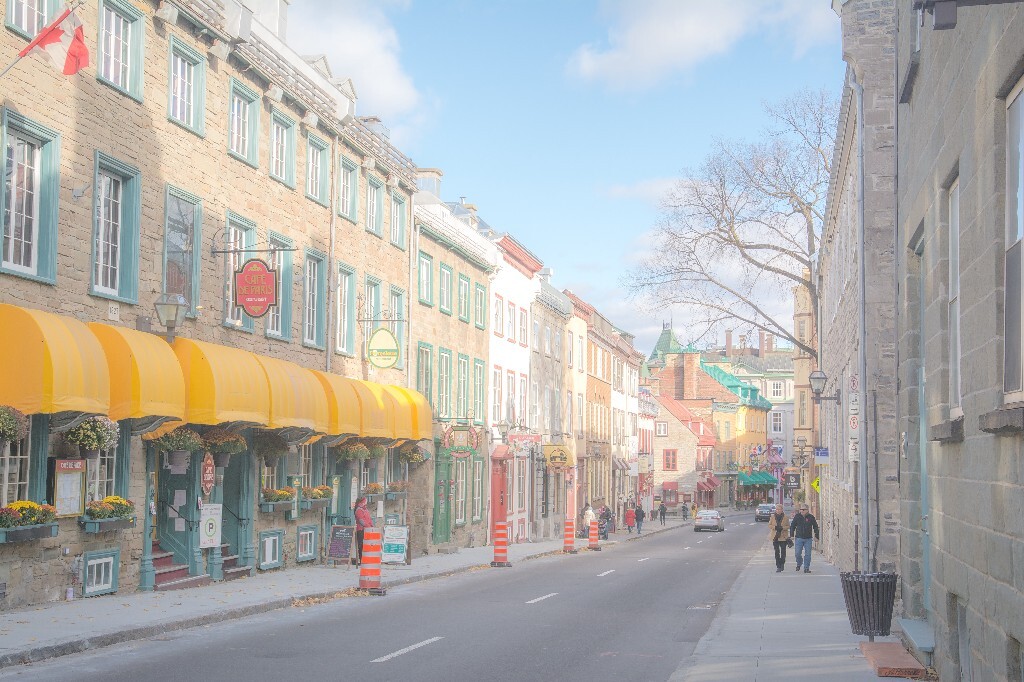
170, 311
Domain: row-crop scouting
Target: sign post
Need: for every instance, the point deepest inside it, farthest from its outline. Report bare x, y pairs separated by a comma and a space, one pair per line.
382, 348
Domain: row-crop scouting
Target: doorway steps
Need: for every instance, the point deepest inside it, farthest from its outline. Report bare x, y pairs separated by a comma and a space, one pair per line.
230, 567
172, 576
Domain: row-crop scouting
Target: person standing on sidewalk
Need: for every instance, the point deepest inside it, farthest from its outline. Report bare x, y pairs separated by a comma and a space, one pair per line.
630, 519
363, 521
640, 516
778, 533
803, 525
661, 512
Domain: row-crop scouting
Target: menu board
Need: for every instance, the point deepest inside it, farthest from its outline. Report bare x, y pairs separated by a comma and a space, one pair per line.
396, 542
67, 486
341, 542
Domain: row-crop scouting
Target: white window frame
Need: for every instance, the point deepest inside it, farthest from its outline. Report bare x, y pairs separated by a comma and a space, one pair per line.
497, 381
478, 489
274, 315
99, 574
279, 134
460, 490
521, 483
102, 473
109, 231
270, 550
1013, 339
115, 47
660, 428
310, 320
305, 458
524, 325
314, 167
15, 465
776, 422
510, 321
444, 384
29, 247
184, 103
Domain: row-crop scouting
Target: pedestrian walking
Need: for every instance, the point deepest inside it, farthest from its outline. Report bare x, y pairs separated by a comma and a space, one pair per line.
661, 512
778, 532
802, 527
587, 516
640, 516
693, 510
630, 519
363, 521
605, 521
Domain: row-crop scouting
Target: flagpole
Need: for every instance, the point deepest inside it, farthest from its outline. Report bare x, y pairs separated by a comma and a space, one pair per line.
72, 7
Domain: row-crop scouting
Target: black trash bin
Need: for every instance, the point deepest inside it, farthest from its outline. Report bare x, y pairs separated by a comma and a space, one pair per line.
869, 601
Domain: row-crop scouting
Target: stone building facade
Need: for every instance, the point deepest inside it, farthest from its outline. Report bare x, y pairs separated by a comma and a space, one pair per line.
958, 256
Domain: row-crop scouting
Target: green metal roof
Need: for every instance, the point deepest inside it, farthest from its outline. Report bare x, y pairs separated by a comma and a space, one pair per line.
666, 345
747, 394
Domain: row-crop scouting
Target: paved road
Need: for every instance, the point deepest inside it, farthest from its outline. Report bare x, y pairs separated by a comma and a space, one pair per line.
633, 611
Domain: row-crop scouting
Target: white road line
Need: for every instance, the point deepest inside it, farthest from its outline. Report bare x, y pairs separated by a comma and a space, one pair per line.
601, 575
406, 650
644, 559
546, 596
686, 548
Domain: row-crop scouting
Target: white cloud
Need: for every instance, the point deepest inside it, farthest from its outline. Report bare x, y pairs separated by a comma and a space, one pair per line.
650, 40
652, 190
360, 43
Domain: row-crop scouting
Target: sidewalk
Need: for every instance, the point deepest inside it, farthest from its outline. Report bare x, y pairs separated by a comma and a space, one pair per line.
780, 626
61, 628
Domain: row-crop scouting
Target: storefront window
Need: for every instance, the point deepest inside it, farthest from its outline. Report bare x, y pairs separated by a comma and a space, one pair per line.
101, 474
460, 491
14, 466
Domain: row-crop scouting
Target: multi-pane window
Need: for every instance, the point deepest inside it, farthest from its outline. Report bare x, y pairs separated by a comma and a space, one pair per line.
238, 236
348, 193
496, 383
268, 474
396, 322
510, 321
397, 220
444, 383
182, 219
521, 484
116, 217
424, 371
522, 397
310, 329
274, 317
558, 345
479, 390
776, 422
478, 489
510, 397
374, 206
108, 232
499, 316
523, 324
462, 397
28, 16
579, 412
101, 474
305, 546
670, 461
14, 466
345, 340
282, 149
187, 84
463, 298
954, 295
776, 389
426, 279
569, 359
460, 490
316, 169
270, 549
306, 465
660, 428
536, 334
119, 45
579, 353
243, 122
510, 486
371, 307
1012, 365
100, 570
480, 307
547, 340
568, 413
535, 405
444, 289
21, 203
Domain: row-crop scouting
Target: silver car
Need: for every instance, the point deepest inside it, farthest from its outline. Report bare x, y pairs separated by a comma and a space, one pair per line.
708, 519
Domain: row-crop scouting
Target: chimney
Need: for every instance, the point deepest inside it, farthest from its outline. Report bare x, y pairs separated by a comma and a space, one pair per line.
376, 126
429, 180
771, 343
762, 345
728, 342
545, 274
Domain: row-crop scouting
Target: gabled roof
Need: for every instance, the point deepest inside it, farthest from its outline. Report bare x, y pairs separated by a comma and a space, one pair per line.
688, 419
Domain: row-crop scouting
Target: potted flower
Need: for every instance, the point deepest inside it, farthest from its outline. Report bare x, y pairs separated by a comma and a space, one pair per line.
396, 489
410, 453
269, 446
352, 451
373, 489
13, 425
93, 435
26, 520
378, 451
110, 513
179, 444
276, 499
221, 443
317, 498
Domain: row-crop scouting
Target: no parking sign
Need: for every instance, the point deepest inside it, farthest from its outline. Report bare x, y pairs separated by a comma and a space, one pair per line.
209, 525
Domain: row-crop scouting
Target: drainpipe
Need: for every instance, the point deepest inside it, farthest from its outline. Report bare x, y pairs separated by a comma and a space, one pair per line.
332, 276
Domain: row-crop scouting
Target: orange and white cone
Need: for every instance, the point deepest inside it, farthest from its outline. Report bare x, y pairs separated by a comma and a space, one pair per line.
593, 537
369, 568
501, 545
569, 538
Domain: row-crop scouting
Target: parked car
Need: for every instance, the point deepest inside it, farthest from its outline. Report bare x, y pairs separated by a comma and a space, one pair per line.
708, 519
764, 512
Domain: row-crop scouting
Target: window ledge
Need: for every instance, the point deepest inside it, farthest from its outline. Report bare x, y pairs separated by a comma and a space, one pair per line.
949, 431
244, 159
1003, 421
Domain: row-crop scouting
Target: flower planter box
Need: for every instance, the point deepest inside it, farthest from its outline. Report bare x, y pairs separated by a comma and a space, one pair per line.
104, 525
322, 503
27, 533
284, 505
395, 494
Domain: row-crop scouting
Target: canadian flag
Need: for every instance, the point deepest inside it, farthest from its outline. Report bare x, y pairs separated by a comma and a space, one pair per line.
63, 43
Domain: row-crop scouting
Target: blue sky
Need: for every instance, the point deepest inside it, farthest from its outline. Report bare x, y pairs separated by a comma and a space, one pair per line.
565, 120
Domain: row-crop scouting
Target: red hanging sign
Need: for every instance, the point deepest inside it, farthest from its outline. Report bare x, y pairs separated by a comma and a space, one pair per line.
255, 287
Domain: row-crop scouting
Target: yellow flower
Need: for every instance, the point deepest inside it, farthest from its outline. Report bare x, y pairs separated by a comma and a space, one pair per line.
24, 504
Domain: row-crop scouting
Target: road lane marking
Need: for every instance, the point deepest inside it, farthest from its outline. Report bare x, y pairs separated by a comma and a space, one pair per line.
546, 596
644, 559
406, 650
601, 575
686, 548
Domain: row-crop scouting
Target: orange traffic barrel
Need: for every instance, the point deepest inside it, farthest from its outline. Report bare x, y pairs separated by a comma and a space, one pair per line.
501, 545
569, 537
369, 568
593, 537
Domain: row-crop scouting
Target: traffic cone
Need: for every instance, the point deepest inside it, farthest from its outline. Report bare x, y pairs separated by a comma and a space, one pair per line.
369, 567
501, 545
593, 537
569, 537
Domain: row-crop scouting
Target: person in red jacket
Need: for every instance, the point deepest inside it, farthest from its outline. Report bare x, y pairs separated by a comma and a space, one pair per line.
630, 518
363, 521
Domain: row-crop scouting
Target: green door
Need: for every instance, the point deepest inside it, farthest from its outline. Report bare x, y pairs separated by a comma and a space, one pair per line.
442, 502
236, 510
177, 515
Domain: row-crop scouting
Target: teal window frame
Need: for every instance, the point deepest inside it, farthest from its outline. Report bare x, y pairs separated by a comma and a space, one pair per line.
288, 124
426, 297
52, 7
248, 95
264, 534
316, 543
425, 382
399, 325
49, 196
377, 228
137, 38
197, 240
349, 169
445, 306
131, 220
346, 346
371, 308
462, 386
321, 297
248, 229
464, 305
198, 123
479, 390
441, 414
113, 553
398, 206
478, 510
480, 306
312, 141
285, 289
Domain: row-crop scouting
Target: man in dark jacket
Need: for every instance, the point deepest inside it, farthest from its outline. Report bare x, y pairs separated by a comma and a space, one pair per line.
640, 516
801, 529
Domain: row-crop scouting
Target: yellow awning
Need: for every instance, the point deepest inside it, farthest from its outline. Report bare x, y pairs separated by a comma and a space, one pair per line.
222, 384
376, 410
297, 400
145, 377
414, 418
51, 363
343, 411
